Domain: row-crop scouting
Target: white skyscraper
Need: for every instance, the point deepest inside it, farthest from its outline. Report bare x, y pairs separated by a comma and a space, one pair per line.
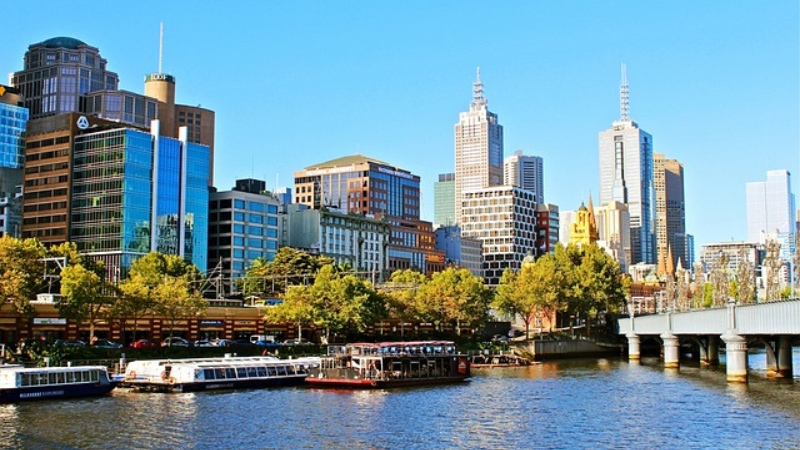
479, 148
626, 176
770, 211
526, 172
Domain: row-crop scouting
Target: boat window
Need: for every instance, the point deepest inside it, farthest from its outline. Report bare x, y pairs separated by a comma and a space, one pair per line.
252, 372
241, 372
262, 371
103, 376
61, 377
230, 372
271, 371
52, 378
282, 370
42, 379
95, 375
26, 380
209, 374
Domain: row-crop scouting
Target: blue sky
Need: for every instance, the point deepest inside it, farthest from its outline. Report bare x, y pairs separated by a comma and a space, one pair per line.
717, 84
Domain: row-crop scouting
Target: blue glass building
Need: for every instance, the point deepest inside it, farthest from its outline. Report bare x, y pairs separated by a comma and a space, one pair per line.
12, 135
134, 192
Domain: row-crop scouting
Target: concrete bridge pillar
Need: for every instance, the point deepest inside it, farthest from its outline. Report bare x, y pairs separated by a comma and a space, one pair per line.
671, 350
779, 358
713, 350
633, 346
736, 357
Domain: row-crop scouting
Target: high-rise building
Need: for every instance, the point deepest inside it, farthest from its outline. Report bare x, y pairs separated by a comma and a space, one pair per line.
566, 219
363, 185
13, 119
670, 209
771, 211
614, 231
626, 176
478, 148
503, 218
526, 172
134, 192
444, 200
57, 72
689, 251
242, 227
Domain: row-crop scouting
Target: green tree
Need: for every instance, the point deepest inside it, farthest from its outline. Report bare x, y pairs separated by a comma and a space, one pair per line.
174, 299
21, 270
290, 266
344, 304
401, 296
708, 295
85, 296
133, 303
454, 295
296, 308
536, 288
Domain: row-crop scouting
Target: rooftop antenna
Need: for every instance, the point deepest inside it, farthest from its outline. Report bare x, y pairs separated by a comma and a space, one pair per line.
624, 101
161, 48
477, 91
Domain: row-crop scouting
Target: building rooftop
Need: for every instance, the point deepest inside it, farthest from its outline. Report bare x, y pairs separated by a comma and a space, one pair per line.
347, 161
63, 42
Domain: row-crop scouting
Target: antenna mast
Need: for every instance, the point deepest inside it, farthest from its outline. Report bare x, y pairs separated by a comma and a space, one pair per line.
624, 103
161, 48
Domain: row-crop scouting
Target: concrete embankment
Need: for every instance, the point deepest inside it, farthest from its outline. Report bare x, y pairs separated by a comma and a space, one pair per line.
538, 350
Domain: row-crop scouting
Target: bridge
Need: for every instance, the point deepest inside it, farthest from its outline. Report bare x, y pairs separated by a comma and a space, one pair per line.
773, 324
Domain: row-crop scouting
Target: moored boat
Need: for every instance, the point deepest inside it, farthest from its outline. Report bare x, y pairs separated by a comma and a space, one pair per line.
199, 374
390, 364
18, 383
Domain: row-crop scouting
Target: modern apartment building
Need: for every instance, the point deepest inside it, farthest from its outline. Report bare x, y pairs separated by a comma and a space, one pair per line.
626, 176
670, 209
736, 252
242, 227
771, 211
444, 200
134, 192
356, 240
526, 172
503, 218
362, 185
460, 251
478, 148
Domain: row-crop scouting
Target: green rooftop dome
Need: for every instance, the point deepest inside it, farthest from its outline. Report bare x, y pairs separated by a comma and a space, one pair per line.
63, 42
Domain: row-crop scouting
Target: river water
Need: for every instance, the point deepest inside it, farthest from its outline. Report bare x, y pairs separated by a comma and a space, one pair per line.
586, 403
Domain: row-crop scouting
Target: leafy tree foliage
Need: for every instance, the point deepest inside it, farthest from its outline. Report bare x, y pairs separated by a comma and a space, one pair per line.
21, 270
85, 296
454, 295
536, 289
289, 267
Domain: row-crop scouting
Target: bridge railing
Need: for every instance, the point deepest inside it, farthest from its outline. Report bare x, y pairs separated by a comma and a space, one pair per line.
768, 318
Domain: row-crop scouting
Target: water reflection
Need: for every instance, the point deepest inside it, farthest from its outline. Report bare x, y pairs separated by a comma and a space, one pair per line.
591, 403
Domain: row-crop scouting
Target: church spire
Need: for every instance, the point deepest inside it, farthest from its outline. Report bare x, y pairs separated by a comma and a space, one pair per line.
624, 100
477, 92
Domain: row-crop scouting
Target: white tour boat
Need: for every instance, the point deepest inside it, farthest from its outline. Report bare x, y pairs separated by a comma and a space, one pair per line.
18, 383
198, 374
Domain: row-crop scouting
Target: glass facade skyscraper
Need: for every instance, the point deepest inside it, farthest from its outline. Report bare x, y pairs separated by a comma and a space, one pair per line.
12, 135
770, 211
444, 200
120, 177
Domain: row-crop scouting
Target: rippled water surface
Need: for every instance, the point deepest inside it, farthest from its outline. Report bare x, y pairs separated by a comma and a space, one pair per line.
589, 403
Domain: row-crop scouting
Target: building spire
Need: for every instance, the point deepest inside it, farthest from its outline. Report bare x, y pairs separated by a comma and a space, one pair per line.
624, 101
161, 48
477, 92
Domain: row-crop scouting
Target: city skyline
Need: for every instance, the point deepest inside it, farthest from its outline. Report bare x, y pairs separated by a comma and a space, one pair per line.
302, 81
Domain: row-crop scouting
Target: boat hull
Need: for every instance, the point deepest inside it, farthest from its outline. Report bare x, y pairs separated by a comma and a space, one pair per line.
55, 392
345, 383
211, 385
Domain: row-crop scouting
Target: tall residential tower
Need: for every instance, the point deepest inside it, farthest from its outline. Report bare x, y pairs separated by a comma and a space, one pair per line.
626, 176
670, 209
526, 172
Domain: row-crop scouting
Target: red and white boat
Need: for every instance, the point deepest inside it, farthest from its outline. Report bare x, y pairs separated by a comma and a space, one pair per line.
390, 364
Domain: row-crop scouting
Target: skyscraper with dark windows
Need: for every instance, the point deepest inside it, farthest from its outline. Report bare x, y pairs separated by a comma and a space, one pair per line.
626, 176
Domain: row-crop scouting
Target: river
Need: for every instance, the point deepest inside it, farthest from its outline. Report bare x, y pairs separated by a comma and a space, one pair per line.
585, 403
